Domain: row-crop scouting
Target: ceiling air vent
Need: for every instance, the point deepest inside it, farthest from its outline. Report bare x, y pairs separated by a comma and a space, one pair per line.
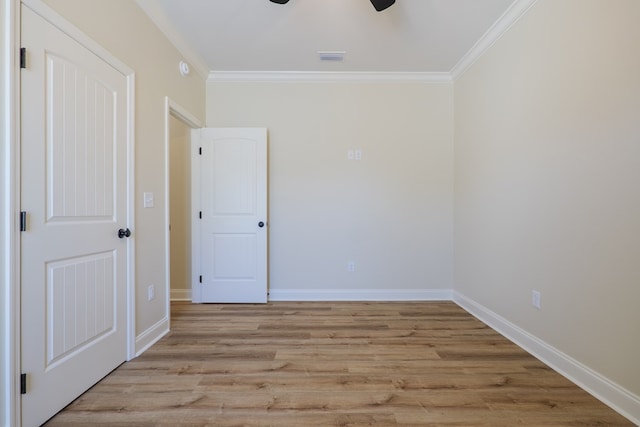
335, 56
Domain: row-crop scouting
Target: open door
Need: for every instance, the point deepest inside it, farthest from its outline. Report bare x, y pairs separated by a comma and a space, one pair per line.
231, 241
74, 180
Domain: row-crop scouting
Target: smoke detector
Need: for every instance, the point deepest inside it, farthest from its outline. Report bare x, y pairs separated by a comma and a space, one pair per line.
184, 69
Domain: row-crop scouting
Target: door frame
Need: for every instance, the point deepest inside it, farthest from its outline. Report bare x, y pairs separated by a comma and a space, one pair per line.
10, 201
10, 359
196, 291
172, 109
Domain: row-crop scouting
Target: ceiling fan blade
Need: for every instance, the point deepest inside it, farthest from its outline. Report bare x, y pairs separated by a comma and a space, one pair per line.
381, 5
279, 1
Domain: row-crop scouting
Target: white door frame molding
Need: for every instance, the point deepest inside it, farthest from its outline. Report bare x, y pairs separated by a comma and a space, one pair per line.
196, 294
10, 202
171, 108
10, 193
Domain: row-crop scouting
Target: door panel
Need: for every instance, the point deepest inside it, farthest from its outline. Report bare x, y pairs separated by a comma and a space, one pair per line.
73, 176
232, 177
80, 304
80, 145
234, 201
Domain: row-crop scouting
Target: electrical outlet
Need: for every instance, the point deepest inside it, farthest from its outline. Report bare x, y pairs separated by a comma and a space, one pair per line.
350, 155
535, 299
351, 266
151, 292
358, 155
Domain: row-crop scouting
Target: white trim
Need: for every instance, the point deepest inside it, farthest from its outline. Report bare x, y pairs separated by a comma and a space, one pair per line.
327, 77
182, 114
610, 393
131, 213
196, 286
171, 108
360, 295
10, 205
516, 11
180, 294
156, 13
167, 209
151, 336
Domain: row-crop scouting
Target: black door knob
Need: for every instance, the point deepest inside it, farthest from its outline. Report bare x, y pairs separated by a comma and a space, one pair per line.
261, 224
122, 233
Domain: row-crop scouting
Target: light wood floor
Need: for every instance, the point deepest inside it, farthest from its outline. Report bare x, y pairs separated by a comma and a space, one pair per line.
334, 364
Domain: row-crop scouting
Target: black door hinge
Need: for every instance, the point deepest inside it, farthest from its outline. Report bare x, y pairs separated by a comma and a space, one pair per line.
200, 151
200, 279
23, 383
23, 57
23, 221
200, 214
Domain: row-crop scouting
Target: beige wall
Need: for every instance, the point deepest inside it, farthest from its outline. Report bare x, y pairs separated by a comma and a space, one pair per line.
547, 159
390, 213
121, 27
180, 209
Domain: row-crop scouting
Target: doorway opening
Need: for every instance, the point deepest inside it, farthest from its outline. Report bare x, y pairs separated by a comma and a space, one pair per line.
178, 126
179, 210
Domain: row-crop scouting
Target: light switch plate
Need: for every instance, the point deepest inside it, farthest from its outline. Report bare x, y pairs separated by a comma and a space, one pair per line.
350, 155
148, 200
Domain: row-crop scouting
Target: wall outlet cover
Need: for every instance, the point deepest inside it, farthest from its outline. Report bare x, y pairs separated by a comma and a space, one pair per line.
535, 299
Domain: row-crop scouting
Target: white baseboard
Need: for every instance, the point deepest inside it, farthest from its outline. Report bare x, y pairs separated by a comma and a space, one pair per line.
180, 294
619, 399
360, 295
151, 336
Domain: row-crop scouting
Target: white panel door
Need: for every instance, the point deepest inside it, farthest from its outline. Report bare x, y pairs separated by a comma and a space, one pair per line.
74, 177
233, 227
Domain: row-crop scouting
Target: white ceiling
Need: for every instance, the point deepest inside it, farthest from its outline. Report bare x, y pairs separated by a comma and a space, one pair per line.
425, 36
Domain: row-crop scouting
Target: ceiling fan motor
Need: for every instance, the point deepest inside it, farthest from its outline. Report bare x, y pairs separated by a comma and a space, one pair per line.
379, 5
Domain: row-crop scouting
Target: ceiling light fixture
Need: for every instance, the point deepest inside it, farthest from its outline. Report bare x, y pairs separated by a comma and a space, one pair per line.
379, 5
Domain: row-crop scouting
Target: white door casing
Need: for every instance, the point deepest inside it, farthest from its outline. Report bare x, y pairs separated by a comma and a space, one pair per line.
232, 232
175, 110
74, 176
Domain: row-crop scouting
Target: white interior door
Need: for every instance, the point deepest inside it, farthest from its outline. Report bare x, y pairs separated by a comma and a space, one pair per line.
233, 210
74, 178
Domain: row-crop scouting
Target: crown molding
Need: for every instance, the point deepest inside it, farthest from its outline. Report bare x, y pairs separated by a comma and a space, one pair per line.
156, 13
516, 11
327, 77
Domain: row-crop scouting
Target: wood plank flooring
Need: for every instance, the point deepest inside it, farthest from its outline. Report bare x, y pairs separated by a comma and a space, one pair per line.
334, 364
